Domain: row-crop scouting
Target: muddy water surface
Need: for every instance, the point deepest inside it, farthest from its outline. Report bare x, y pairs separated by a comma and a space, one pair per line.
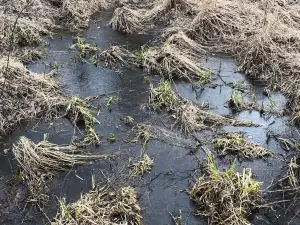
162, 191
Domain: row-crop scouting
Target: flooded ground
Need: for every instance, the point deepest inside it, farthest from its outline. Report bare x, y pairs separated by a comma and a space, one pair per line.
162, 191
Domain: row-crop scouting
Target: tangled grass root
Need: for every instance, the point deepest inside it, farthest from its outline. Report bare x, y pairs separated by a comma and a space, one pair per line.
226, 197
142, 166
26, 95
39, 162
235, 143
191, 118
101, 206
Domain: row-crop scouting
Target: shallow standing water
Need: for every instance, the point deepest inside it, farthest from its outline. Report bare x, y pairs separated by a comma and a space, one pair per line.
162, 191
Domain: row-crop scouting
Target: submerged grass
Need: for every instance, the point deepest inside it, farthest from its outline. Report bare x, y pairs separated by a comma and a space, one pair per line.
39, 162
225, 197
235, 143
101, 206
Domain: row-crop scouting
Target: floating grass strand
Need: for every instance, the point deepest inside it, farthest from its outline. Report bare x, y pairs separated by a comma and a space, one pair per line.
235, 143
102, 206
39, 162
225, 197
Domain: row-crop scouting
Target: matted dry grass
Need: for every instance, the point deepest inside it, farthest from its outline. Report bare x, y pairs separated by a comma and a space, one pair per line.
40, 17
225, 197
102, 206
26, 95
191, 118
40, 162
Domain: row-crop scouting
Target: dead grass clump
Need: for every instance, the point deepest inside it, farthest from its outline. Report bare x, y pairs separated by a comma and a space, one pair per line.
127, 20
39, 162
26, 95
162, 96
191, 118
75, 14
27, 32
117, 55
142, 166
226, 197
102, 206
235, 143
172, 62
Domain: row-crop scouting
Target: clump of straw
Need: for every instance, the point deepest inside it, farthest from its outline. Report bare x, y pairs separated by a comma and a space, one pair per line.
117, 55
101, 206
126, 20
39, 162
235, 143
226, 197
142, 166
191, 118
26, 95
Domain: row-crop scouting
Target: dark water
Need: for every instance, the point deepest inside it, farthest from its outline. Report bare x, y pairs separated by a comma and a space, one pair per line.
162, 191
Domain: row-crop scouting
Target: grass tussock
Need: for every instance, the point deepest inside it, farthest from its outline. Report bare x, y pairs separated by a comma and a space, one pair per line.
225, 197
141, 16
293, 173
39, 162
191, 118
235, 143
117, 55
40, 17
162, 96
173, 62
126, 20
143, 166
26, 95
101, 206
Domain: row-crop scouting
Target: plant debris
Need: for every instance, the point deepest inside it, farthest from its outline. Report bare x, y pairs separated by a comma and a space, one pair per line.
102, 206
235, 143
40, 162
192, 118
26, 95
142, 166
162, 96
226, 197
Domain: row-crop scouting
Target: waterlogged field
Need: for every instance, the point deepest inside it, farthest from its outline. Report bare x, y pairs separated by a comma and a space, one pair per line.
147, 131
